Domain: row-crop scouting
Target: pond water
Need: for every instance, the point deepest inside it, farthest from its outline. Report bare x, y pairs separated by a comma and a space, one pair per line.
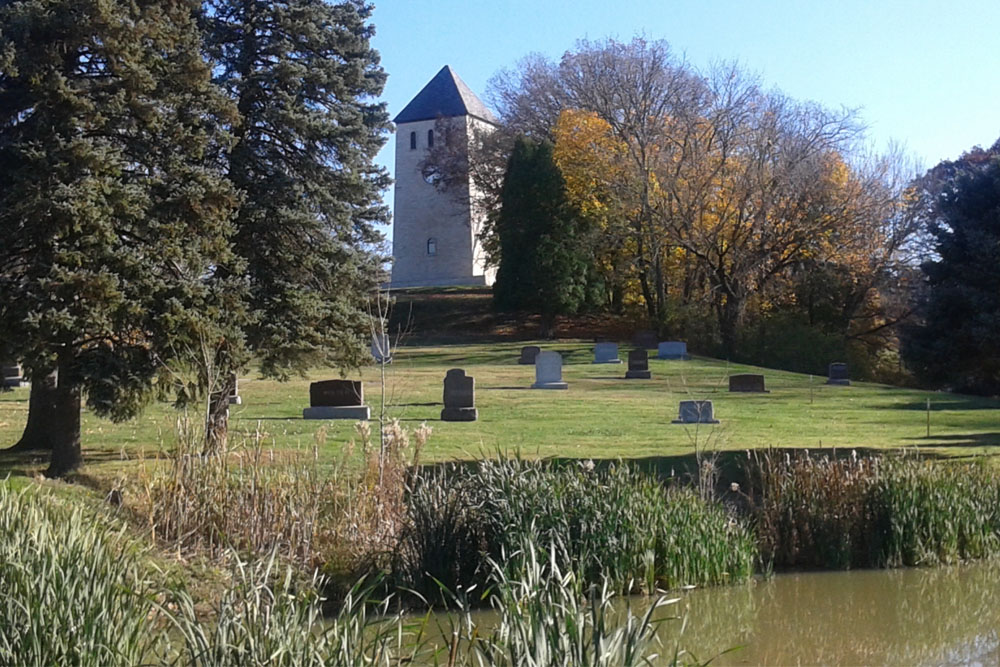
921, 616
933, 616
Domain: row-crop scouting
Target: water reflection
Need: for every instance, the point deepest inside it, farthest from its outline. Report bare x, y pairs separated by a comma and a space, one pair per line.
893, 617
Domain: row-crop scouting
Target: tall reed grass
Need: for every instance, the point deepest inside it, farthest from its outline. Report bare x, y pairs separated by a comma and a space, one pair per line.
615, 525
840, 512
73, 591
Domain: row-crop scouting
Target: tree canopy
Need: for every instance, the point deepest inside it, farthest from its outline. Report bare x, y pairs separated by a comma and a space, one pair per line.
954, 345
113, 207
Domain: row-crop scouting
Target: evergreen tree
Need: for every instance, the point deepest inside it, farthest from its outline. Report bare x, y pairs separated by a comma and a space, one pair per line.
956, 344
543, 259
305, 80
113, 209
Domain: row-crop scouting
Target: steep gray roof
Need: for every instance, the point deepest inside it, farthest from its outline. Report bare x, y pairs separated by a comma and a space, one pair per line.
445, 95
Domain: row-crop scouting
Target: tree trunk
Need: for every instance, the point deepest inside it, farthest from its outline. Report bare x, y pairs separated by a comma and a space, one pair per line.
37, 433
730, 317
217, 420
65, 426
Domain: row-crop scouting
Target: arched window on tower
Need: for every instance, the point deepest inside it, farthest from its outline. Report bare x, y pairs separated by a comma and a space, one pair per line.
430, 138
432, 246
413, 141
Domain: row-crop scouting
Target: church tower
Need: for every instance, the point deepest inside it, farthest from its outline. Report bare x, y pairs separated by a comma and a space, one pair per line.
435, 238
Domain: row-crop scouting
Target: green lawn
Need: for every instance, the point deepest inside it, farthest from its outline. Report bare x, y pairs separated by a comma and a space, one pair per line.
601, 415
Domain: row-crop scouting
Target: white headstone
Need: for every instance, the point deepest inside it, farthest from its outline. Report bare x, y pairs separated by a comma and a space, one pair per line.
606, 353
548, 371
672, 349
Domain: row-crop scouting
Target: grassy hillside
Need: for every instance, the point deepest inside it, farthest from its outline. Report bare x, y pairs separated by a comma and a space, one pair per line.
601, 415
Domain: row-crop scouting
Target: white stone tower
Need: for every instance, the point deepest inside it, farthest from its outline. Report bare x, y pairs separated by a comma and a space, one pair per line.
435, 238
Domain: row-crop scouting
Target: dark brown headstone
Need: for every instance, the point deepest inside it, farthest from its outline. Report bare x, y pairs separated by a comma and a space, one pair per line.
336, 393
459, 389
838, 374
751, 383
638, 365
645, 339
459, 397
528, 354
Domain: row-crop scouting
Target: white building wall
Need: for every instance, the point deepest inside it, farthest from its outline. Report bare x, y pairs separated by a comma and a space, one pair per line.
422, 213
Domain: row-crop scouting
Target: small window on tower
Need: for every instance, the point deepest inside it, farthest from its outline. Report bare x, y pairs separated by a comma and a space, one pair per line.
430, 138
432, 246
413, 141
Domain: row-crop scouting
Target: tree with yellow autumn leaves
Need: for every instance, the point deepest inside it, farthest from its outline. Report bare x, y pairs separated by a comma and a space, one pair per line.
713, 204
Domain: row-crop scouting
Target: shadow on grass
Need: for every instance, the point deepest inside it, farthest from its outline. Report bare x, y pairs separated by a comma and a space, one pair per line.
947, 403
32, 463
958, 440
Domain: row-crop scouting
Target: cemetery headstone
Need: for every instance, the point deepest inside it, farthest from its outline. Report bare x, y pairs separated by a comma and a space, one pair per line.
672, 349
548, 371
638, 365
696, 412
528, 354
750, 383
13, 376
337, 399
838, 374
645, 339
235, 398
606, 353
381, 348
459, 397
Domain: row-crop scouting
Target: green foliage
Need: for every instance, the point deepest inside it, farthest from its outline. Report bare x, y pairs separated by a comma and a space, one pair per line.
305, 80
615, 525
544, 266
73, 593
113, 208
954, 346
860, 512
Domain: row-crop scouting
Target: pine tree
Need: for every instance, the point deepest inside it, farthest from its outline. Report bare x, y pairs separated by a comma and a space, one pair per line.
955, 346
544, 264
114, 214
305, 80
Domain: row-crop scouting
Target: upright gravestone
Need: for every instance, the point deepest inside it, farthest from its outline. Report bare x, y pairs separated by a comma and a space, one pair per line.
528, 354
235, 398
459, 397
381, 348
645, 339
336, 399
750, 383
13, 376
672, 349
638, 365
838, 374
548, 371
606, 353
696, 412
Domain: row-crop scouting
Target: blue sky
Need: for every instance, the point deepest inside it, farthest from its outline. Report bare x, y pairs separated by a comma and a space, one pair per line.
925, 74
